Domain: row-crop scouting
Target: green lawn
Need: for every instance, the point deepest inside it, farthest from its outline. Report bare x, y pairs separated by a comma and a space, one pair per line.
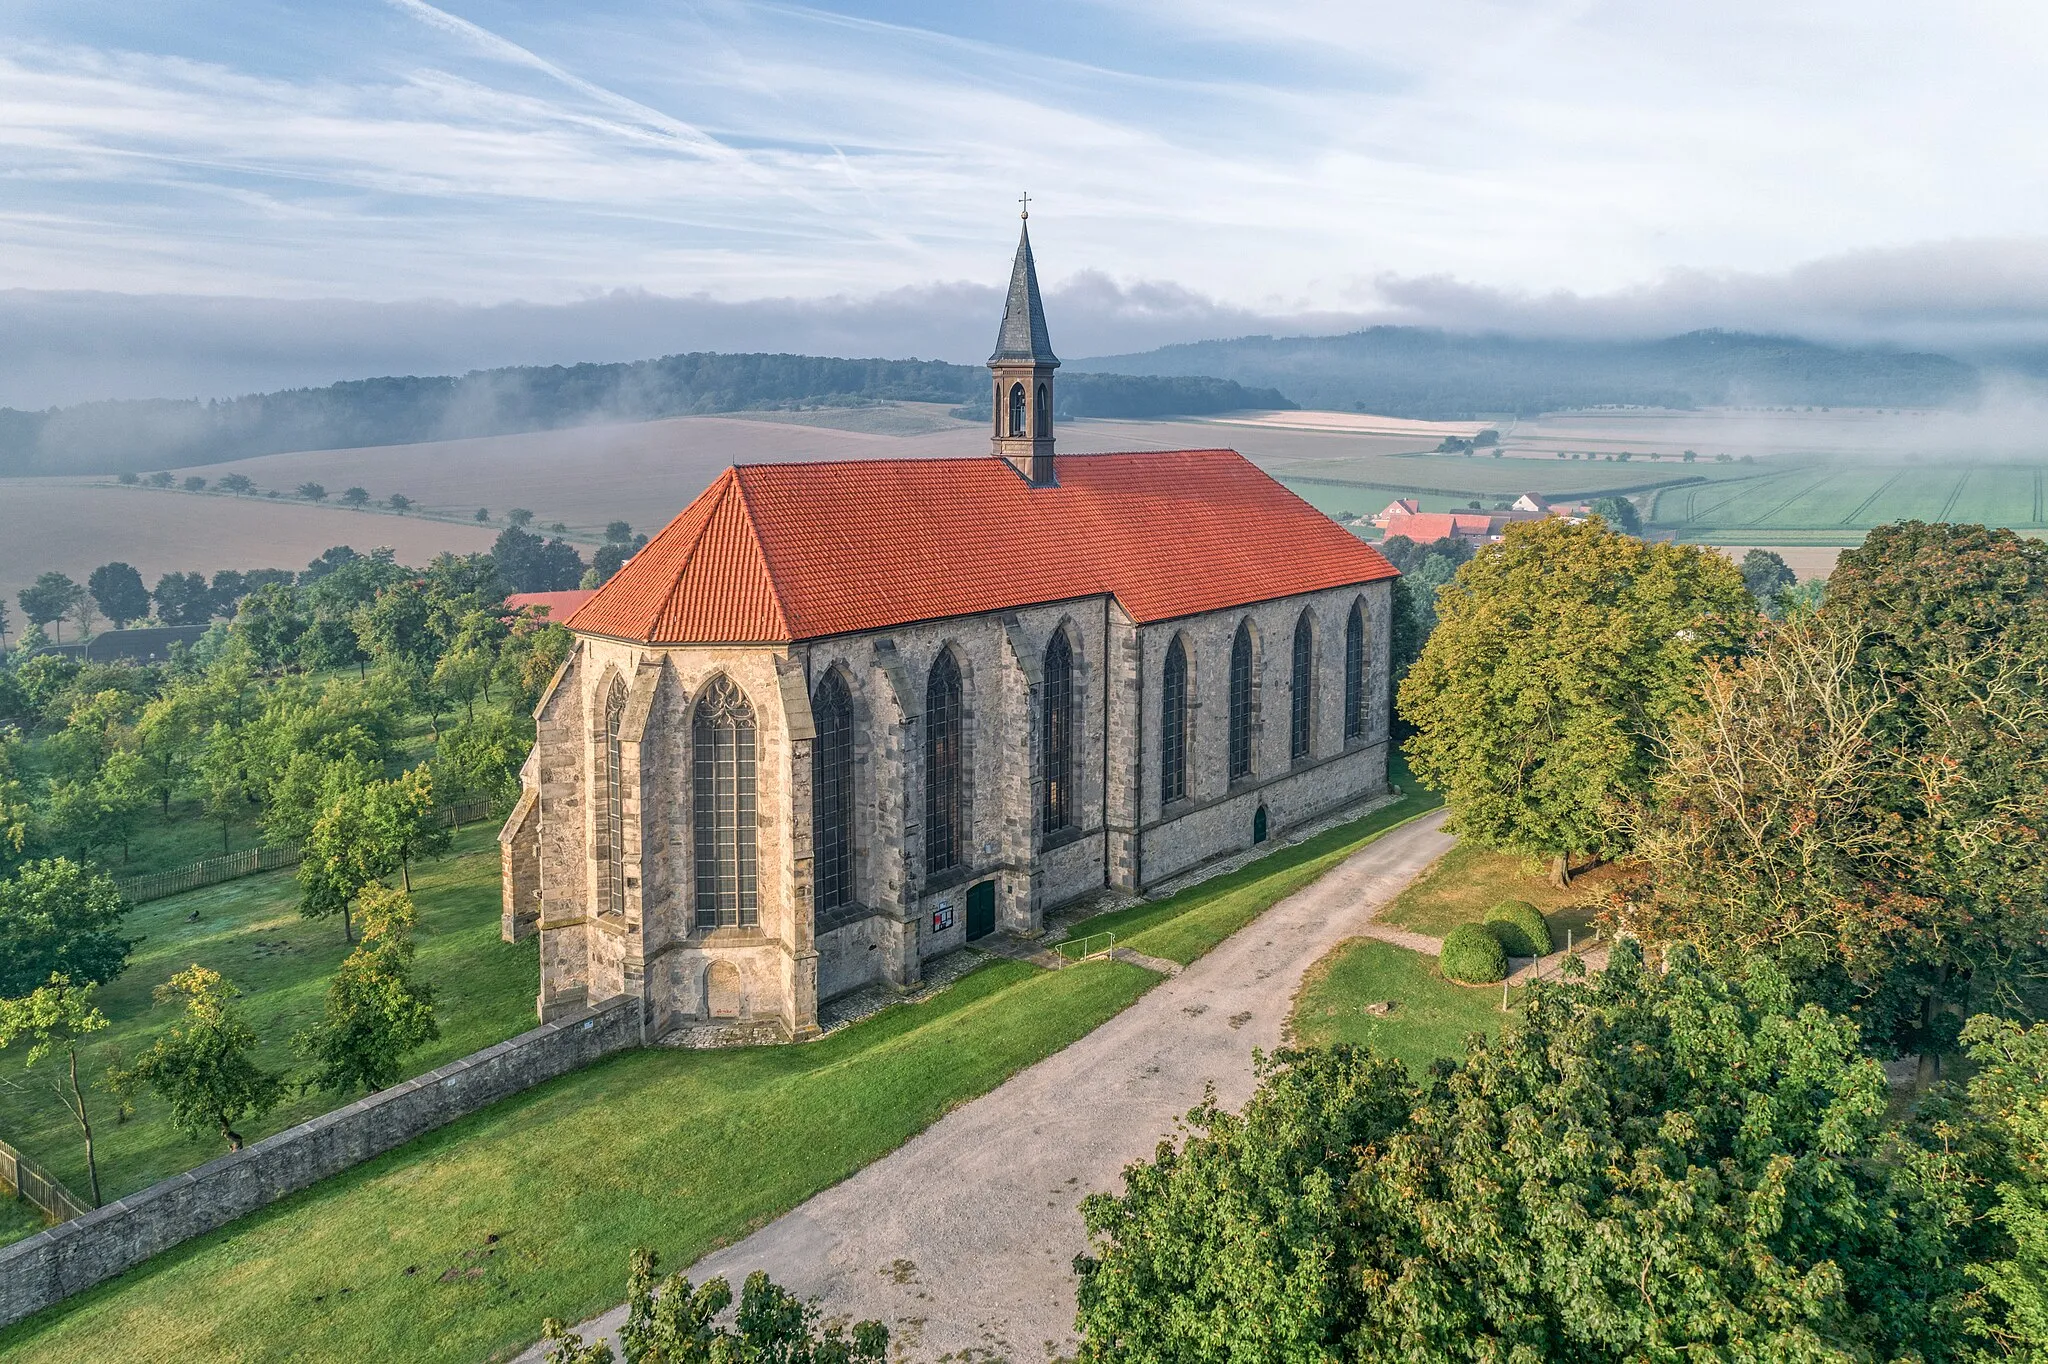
1430, 1019
251, 931
18, 1219
457, 1245
1469, 880
1806, 501
1182, 927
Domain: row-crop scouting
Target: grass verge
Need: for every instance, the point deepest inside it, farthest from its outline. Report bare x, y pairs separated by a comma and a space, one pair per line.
1430, 1019
457, 1245
251, 932
1469, 880
19, 1219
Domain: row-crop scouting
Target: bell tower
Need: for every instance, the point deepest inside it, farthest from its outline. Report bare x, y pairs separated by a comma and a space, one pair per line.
1023, 366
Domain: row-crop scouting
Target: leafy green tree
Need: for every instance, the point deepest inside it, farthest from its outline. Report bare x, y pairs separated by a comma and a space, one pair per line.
58, 917
58, 1016
118, 589
376, 1013
183, 599
201, 1066
347, 848
128, 478
520, 517
1560, 656
167, 738
331, 558
618, 533
466, 668
162, 478
222, 776
194, 483
529, 564
483, 515
480, 759
272, 622
312, 492
399, 503
237, 483
1766, 574
672, 1322
1619, 513
2001, 1125
355, 497
396, 627
1651, 1165
530, 656
49, 599
407, 822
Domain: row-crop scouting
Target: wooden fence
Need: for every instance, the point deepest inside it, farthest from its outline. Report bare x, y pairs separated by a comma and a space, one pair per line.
212, 871
25, 1179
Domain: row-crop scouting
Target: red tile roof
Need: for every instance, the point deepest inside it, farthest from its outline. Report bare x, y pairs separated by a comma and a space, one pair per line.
1428, 527
772, 553
557, 606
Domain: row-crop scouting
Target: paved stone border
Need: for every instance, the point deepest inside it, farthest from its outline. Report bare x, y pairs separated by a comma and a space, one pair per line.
73, 1256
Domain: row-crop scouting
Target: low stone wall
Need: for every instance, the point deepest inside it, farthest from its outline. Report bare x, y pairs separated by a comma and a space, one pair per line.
52, 1265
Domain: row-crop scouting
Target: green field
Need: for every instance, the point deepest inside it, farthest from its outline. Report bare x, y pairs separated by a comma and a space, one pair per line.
1430, 1017
1805, 502
251, 932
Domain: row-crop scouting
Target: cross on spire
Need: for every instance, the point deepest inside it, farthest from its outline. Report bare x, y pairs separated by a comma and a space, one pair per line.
1026, 201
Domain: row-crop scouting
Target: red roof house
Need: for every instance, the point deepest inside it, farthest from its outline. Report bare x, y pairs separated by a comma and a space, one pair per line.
556, 606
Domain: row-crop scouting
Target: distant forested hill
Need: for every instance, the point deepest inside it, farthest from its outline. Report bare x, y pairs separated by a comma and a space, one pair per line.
1420, 372
111, 437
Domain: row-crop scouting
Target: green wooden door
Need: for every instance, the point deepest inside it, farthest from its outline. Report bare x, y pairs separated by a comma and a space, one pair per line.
981, 910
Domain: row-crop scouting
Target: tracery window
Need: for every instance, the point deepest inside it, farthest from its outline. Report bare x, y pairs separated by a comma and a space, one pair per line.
943, 740
1354, 673
613, 829
1017, 410
1241, 702
722, 737
832, 794
1302, 697
1173, 726
1056, 734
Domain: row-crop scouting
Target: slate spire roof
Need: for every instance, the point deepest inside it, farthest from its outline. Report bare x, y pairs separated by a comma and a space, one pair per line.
1024, 337
775, 553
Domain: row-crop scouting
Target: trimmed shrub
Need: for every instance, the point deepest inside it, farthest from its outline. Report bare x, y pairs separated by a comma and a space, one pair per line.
1473, 955
1520, 928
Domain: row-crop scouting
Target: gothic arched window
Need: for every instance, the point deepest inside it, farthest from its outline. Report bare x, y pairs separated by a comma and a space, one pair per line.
722, 735
1044, 411
1354, 673
613, 825
1173, 725
1302, 697
1056, 733
1241, 702
944, 738
832, 794
1017, 410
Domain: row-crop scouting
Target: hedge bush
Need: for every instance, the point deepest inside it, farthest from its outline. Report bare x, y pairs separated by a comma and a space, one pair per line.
1473, 955
1520, 928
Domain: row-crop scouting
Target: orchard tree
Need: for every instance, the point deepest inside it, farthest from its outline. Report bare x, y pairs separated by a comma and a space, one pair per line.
376, 1013
237, 483
355, 497
58, 1016
1651, 1165
313, 492
49, 599
2000, 1120
201, 1066
672, 1322
1766, 574
1560, 656
407, 823
399, 503
183, 599
520, 517
530, 656
58, 917
118, 589
1620, 513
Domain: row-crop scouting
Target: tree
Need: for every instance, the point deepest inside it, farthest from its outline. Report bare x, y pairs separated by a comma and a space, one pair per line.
480, 759
223, 778
85, 612
397, 627
128, 479
271, 621
483, 515
520, 517
57, 1016
376, 1012
162, 478
407, 822
1766, 574
183, 599
671, 1322
331, 558
312, 492
1560, 656
1619, 513
1651, 1165
237, 483
49, 599
58, 917
355, 497
194, 483
2000, 1122
528, 564
201, 1065
399, 503
618, 533
3, 624
118, 589
530, 656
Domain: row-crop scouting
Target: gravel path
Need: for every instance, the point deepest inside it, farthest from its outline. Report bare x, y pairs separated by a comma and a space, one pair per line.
961, 1240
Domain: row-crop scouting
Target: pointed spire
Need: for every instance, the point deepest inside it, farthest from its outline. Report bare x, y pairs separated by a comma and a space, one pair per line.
1024, 338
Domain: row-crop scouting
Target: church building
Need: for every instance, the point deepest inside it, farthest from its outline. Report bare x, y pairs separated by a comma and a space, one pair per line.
839, 718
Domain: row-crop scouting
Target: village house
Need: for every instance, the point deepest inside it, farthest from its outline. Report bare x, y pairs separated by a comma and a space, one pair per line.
839, 718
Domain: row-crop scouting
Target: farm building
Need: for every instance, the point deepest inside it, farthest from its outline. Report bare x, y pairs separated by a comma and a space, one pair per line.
839, 718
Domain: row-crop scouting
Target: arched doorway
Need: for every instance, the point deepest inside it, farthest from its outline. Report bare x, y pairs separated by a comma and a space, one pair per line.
1259, 825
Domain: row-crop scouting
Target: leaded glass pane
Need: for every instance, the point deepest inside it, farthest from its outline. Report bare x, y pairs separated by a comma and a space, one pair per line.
1354, 673
1057, 733
1302, 691
1173, 736
614, 823
832, 794
943, 739
722, 736
1241, 704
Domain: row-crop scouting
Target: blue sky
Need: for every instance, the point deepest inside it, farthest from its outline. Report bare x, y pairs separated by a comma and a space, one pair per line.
1196, 166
